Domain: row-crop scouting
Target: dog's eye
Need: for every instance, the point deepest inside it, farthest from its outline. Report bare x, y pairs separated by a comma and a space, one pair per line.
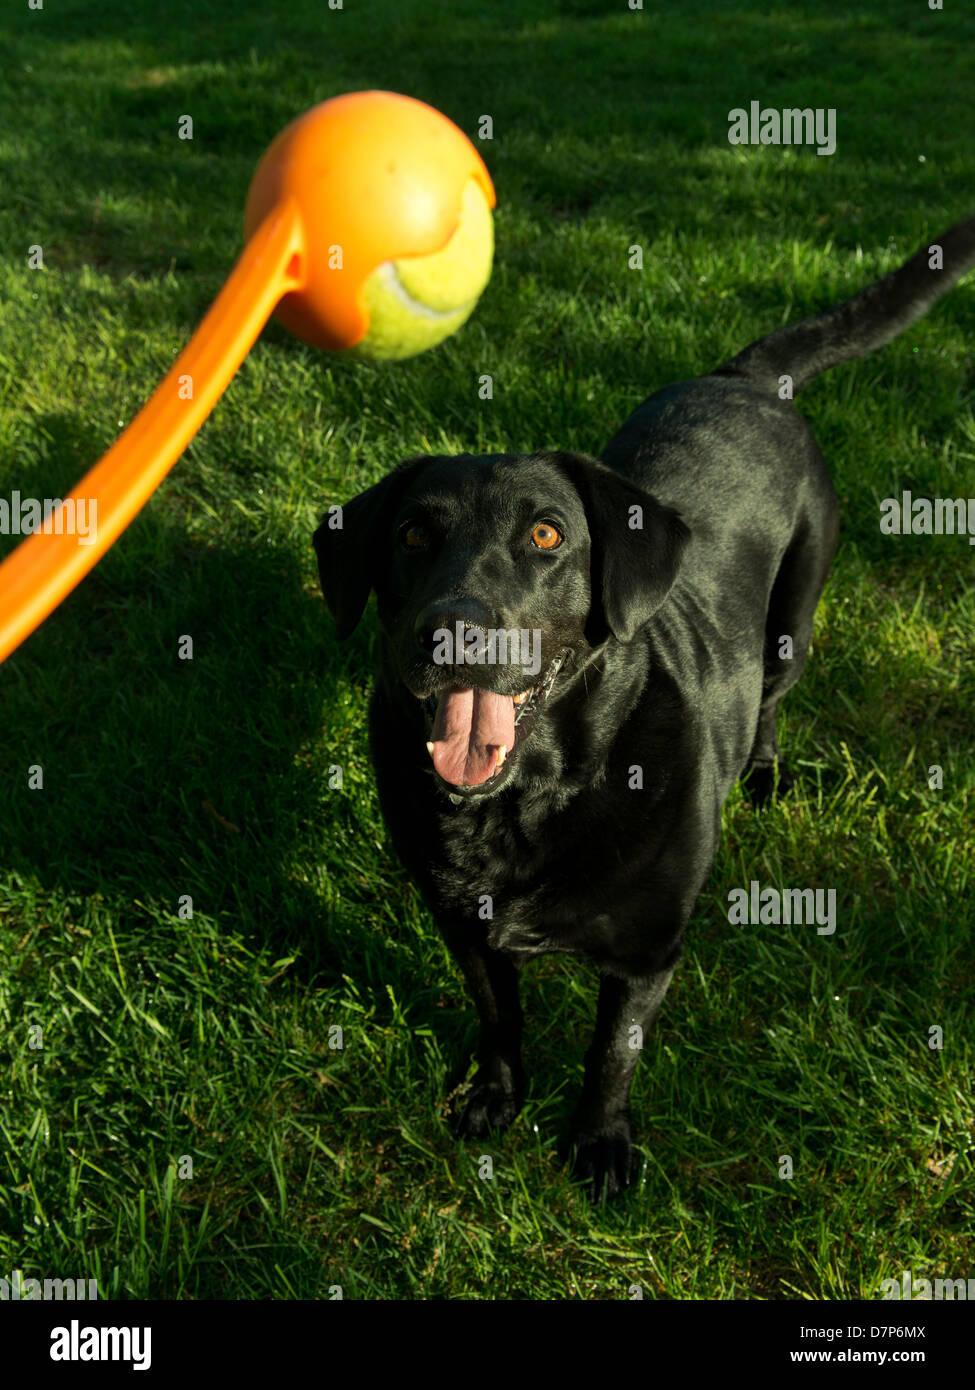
546, 537
415, 537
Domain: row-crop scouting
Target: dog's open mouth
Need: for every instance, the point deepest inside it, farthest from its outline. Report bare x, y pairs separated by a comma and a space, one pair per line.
475, 731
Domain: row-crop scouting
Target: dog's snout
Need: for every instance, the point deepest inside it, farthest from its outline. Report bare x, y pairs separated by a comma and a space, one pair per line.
444, 615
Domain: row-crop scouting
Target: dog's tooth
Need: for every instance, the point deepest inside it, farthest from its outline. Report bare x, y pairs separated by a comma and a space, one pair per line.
430, 749
502, 754
520, 699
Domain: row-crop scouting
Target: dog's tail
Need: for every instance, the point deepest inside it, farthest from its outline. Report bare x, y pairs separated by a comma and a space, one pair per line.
864, 323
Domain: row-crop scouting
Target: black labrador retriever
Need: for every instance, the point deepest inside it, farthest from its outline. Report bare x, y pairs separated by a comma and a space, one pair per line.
579, 658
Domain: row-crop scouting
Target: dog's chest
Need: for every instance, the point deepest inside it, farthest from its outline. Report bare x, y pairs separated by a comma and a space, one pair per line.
527, 861
502, 849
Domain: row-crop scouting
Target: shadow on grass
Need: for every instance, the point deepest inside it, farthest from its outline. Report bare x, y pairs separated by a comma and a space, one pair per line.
165, 777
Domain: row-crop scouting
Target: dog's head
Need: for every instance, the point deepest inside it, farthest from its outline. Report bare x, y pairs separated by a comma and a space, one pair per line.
495, 576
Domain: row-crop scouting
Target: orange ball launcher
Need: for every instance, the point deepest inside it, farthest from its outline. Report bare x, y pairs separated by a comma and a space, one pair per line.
377, 174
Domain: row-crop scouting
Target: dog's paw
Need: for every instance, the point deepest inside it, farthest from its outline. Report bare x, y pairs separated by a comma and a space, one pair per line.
484, 1105
604, 1160
763, 780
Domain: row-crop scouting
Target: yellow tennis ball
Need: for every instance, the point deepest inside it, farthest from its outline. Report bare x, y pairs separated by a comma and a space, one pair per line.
415, 302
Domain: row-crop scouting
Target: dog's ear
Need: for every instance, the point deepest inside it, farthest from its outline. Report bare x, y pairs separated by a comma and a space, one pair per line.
352, 546
635, 548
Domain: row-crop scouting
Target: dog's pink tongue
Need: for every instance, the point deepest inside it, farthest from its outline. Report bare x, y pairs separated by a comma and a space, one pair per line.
469, 728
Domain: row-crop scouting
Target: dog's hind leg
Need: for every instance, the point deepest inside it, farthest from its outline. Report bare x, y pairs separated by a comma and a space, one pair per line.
788, 633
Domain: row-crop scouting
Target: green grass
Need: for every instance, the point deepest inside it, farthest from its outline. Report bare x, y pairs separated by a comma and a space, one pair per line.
166, 1037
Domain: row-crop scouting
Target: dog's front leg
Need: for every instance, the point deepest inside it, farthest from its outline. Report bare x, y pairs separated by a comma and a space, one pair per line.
497, 1089
601, 1126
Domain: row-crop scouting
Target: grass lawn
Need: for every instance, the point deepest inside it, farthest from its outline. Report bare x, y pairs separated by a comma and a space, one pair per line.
174, 1043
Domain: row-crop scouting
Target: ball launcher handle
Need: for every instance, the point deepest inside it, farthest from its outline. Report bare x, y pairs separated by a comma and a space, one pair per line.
46, 566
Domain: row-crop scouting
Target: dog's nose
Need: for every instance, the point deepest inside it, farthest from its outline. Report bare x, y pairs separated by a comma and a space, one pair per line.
443, 616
